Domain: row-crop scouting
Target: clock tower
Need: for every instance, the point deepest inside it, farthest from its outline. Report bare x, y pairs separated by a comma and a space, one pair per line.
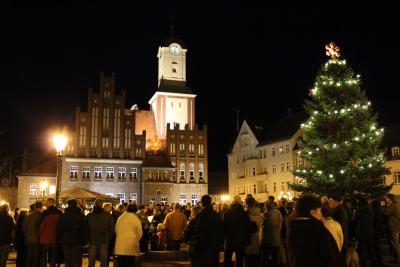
174, 102
171, 62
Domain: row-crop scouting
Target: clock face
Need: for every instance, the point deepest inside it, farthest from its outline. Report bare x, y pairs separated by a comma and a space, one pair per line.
174, 49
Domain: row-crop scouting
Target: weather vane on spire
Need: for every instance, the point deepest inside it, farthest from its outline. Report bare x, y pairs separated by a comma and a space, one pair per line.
332, 50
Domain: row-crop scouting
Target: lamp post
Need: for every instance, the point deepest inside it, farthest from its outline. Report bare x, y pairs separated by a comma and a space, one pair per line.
60, 142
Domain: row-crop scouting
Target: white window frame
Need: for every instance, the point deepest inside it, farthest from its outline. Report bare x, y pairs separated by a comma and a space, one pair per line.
201, 172
121, 197
201, 150
109, 172
288, 166
133, 197
182, 199
282, 166
33, 190
287, 148
195, 199
395, 152
73, 171
133, 174
121, 173
86, 172
164, 200
152, 200
98, 172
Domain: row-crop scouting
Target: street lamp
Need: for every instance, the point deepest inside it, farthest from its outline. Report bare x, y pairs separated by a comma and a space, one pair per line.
60, 141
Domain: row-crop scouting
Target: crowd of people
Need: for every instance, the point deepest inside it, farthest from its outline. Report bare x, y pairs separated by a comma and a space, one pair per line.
311, 231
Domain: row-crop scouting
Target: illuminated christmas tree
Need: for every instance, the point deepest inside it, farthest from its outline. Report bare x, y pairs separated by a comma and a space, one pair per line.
340, 142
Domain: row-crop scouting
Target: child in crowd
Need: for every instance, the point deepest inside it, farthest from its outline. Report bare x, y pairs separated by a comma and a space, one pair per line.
161, 237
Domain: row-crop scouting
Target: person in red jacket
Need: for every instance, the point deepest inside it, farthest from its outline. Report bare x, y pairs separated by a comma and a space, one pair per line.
48, 233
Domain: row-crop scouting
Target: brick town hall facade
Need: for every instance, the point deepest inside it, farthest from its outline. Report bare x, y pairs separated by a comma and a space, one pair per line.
148, 156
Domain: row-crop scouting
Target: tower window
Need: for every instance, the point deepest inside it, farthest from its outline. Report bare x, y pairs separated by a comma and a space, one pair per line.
173, 69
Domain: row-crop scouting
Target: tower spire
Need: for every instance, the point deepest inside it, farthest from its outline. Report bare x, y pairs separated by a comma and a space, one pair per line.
172, 30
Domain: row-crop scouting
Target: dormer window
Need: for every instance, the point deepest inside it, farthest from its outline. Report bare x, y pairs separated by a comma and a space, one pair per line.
395, 152
173, 69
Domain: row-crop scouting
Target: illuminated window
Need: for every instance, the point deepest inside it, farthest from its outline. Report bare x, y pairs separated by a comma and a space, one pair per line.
94, 127
287, 166
287, 148
181, 149
86, 172
110, 172
164, 200
121, 173
133, 174
191, 172
395, 152
254, 171
195, 199
182, 199
117, 127
273, 151
273, 168
182, 172
282, 167
280, 150
82, 136
201, 173
73, 172
152, 200
127, 138
33, 190
201, 150
133, 197
172, 149
254, 188
274, 187
97, 172
121, 197
396, 177
52, 189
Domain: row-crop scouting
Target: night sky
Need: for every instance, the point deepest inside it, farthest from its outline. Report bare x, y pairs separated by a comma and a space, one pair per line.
259, 61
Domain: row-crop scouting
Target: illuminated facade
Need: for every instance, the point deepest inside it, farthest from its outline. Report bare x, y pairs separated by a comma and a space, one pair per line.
148, 156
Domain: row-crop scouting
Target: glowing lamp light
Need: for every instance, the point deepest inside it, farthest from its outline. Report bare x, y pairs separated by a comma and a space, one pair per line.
60, 141
286, 195
44, 185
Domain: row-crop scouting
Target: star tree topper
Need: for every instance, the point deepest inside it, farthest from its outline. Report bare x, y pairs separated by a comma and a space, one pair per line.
332, 50
155, 145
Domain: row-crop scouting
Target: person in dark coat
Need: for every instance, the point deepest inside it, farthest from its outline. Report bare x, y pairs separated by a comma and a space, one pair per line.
31, 231
6, 229
101, 227
378, 229
364, 220
207, 236
309, 242
237, 234
72, 234
19, 243
189, 234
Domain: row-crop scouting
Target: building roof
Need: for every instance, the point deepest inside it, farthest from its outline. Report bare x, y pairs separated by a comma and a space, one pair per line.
391, 136
44, 168
158, 160
170, 86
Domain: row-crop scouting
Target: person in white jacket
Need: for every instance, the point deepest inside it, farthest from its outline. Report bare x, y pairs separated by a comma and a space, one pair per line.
128, 232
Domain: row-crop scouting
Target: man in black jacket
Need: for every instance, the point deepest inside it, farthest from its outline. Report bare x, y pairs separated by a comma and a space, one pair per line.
208, 236
6, 229
72, 234
309, 242
237, 234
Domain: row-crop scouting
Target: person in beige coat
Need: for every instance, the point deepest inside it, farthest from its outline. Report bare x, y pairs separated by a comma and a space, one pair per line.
252, 251
175, 223
128, 232
333, 227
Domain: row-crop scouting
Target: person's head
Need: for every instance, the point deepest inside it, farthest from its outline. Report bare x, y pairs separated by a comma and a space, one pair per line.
325, 210
177, 206
160, 227
362, 202
290, 207
370, 200
120, 208
271, 200
237, 200
162, 208
215, 207
308, 206
206, 201
98, 204
4, 209
38, 206
347, 201
249, 195
250, 202
32, 207
132, 208
324, 200
195, 210
390, 199
158, 207
334, 201
50, 202
188, 206
107, 207
16, 210
72, 203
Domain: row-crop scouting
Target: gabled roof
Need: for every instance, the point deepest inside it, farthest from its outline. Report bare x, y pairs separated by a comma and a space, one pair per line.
170, 86
44, 168
258, 128
158, 160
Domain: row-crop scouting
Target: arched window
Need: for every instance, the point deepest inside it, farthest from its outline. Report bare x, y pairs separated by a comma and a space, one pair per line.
201, 172
191, 172
33, 190
182, 172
